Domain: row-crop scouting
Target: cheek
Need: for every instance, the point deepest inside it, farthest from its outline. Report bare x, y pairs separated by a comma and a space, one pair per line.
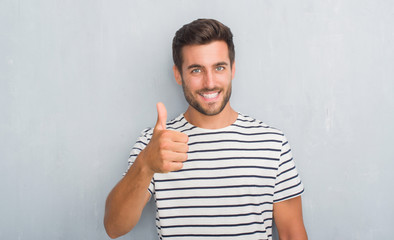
224, 79
192, 83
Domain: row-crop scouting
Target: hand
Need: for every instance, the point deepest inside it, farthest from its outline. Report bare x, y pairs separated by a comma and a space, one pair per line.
167, 149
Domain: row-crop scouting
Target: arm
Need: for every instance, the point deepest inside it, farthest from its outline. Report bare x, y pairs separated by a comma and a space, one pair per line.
288, 219
126, 201
166, 152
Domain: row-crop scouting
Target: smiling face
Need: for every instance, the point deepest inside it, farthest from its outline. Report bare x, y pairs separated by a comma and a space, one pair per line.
206, 77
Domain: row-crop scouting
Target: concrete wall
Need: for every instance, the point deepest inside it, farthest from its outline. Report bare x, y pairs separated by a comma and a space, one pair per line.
80, 79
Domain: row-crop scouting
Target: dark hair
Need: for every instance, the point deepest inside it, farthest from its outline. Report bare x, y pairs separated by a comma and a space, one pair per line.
198, 32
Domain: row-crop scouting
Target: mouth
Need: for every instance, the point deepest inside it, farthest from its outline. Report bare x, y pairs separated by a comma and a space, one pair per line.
210, 96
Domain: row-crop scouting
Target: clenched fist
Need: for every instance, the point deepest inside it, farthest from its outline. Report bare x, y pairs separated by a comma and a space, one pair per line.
167, 149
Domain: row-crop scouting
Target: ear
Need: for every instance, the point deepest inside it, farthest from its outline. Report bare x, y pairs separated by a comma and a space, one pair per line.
177, 75
233, 70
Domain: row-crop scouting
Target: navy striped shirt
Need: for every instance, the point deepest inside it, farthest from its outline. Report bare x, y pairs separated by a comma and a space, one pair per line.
227, 187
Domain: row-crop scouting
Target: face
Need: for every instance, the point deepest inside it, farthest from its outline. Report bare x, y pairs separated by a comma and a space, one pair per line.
206, 77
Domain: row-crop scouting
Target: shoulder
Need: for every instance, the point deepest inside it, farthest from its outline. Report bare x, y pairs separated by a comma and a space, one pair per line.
248, 122
177, 123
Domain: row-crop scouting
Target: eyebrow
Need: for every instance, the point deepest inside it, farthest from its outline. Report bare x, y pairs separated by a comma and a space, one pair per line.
221, 63
194, 66
200, 66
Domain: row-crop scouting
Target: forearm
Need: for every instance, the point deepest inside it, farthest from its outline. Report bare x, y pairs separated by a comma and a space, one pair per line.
289, 221
165, 152
127, 200
295, 234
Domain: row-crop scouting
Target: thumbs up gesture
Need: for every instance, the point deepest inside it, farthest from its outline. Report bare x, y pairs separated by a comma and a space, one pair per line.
167, 149
161, 117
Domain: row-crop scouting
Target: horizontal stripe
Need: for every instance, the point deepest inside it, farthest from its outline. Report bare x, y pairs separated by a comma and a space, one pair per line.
141, 142
247, 120
218, 216
214, 225
234, 132
223, 168
288, 179
285, 153
233, 141
283, 163
136, 148
214, 235
289, 196
284, 189
188, 129
241, 126
288, 170
213, 187
235, 149
178, 127
231, 158
175, 121
214, 197
146, 130
212, 178
214, 206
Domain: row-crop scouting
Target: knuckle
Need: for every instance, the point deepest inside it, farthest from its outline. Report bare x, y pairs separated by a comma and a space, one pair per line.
163, 155
180, 166
166, 167
185, 137
163, 145
165, 134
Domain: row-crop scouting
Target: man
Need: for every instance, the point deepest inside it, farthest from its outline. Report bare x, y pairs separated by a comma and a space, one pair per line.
213, 173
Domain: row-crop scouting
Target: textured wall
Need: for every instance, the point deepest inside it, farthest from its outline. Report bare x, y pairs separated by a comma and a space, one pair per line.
79, 80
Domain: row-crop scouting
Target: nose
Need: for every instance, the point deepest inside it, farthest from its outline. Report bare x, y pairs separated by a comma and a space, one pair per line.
209, 80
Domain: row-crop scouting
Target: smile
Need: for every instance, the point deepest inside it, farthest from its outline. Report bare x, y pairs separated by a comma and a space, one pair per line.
210, 96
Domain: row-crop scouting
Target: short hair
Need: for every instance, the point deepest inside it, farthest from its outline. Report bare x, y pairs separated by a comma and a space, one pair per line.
199, 32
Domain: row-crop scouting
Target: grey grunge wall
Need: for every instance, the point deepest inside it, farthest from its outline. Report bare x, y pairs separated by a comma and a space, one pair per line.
79, 80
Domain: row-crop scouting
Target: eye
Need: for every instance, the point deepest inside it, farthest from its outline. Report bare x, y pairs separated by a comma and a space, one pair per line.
196, 70
219, 68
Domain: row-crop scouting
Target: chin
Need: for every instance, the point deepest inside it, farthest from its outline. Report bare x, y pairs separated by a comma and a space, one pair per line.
210, 111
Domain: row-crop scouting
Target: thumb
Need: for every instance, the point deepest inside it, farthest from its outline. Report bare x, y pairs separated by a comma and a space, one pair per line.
161, 116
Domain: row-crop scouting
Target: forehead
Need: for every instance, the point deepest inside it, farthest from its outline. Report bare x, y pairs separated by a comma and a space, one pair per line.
206, 54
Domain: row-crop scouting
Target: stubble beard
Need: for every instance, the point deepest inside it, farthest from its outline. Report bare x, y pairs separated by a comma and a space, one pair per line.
211, 110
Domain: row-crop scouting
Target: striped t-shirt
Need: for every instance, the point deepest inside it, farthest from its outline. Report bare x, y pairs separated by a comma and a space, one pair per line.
227, 186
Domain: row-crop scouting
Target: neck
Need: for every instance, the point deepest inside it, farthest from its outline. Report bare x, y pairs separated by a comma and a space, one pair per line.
223, 119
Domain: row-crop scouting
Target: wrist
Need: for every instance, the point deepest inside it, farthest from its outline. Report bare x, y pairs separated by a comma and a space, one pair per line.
141, 165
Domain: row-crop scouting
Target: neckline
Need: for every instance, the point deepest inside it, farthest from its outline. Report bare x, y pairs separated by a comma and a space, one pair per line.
214, 129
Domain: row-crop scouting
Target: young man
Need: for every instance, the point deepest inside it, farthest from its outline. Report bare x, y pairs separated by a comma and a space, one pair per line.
214, 173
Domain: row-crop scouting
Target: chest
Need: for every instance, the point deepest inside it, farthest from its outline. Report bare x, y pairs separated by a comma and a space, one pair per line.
217, 168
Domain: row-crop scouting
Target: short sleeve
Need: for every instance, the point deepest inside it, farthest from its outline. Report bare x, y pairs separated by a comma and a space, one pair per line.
288, 183
139, 145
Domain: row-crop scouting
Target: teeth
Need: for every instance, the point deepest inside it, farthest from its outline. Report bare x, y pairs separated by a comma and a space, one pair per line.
211, 95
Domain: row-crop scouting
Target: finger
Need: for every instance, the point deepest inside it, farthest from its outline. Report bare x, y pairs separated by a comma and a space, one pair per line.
179, 137
161, 116
181, 147
175, 166
176, 147
176, 156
